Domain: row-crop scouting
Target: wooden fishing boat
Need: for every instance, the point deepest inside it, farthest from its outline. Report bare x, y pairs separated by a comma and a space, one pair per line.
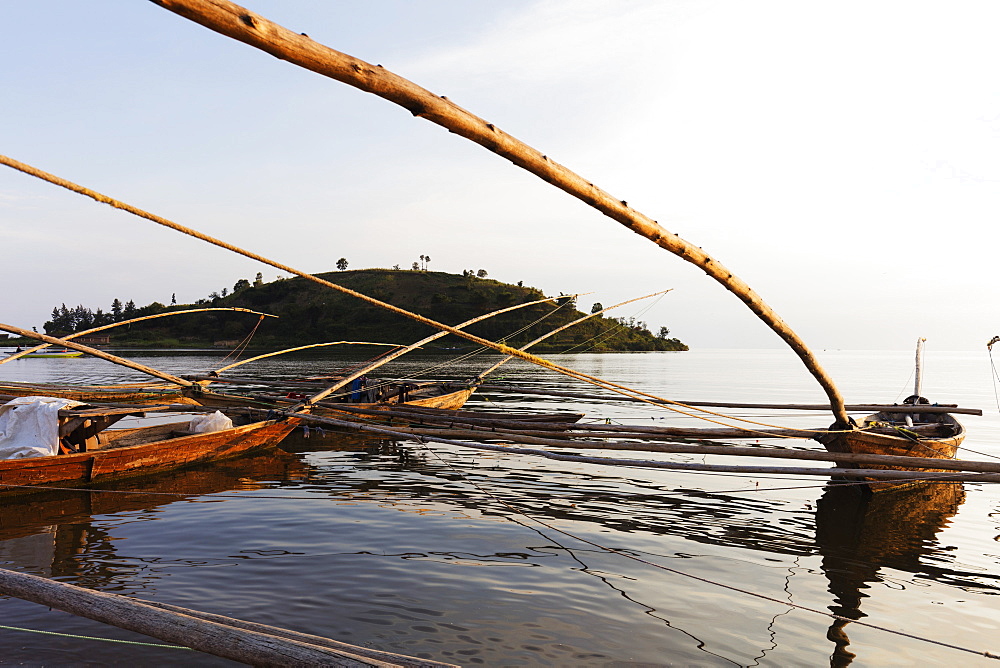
444, 396
96, 454
916, 429
915, 434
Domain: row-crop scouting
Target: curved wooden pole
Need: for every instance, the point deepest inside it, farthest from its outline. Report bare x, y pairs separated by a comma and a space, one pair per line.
77, 335
241, 24
311, 345
95, 352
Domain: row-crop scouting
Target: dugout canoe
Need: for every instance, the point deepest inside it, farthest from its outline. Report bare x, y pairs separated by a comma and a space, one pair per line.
94, 453
936, 435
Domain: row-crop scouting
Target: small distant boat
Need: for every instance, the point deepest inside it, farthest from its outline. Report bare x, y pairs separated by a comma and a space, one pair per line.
50, 353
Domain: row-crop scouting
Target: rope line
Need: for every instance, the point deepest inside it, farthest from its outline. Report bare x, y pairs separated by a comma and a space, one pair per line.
81, 637
995, 376
242, 345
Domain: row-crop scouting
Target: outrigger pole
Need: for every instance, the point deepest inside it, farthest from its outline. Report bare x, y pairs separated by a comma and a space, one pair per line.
241, 24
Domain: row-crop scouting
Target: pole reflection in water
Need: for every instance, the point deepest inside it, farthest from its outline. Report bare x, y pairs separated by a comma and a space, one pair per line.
859, 534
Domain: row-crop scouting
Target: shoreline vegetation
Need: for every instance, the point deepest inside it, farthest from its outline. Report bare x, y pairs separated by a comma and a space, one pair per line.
308, 314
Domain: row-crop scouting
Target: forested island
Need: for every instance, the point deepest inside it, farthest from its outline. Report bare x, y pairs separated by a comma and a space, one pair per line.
309, 313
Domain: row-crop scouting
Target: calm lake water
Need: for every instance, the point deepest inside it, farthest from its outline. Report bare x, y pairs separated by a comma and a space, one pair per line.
486, 559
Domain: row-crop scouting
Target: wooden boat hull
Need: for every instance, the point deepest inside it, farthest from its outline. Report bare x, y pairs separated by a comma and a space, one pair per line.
164, 453
447, 401
450, 401
875, 443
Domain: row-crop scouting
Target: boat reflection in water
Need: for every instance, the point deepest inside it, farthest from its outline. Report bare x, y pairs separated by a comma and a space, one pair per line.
860, 533
46, 533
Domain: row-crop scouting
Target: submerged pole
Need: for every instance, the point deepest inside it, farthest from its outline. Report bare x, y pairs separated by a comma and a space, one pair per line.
234, 21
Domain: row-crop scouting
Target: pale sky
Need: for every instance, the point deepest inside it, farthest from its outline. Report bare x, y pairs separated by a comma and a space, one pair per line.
841, 157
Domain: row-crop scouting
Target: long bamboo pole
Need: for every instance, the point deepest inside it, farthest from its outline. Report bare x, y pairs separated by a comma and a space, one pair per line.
867, 408
96, 353
881, 474
77, 335
297, 348
234, 21
521, 437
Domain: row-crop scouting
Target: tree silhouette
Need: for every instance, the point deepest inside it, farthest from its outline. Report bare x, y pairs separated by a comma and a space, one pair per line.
342, 263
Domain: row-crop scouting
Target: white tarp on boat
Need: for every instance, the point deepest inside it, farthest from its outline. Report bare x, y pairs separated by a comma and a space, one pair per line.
213, 422
29, 426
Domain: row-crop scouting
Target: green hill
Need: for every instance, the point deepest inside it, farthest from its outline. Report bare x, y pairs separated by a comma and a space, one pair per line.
310, 313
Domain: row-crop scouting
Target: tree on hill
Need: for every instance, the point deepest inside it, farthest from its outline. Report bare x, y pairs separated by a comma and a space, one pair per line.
342, 264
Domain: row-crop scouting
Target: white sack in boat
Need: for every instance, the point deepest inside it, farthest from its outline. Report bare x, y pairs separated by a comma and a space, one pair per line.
216, 421
29, 426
